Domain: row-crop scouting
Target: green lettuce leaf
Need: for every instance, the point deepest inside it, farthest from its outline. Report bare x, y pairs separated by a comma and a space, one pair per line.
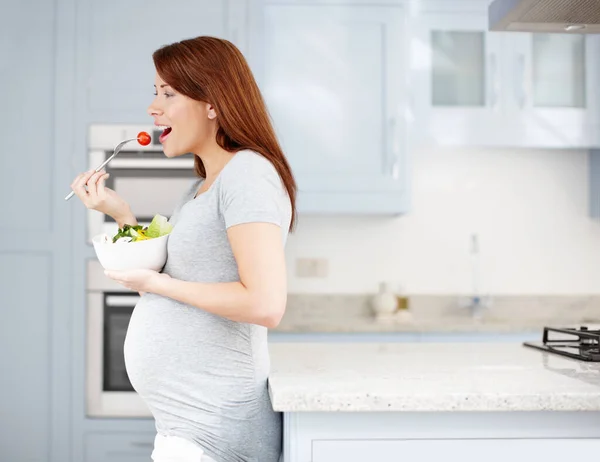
159, 226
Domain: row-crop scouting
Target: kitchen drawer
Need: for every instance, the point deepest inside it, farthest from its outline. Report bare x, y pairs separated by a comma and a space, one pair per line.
119, 447
465, 450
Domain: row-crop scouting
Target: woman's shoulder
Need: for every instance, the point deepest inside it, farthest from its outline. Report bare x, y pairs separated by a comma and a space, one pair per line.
249, 173
248, 167
248, 160
250, 189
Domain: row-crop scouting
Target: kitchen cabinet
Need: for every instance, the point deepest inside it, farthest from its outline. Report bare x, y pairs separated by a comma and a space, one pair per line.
34, 225
26, 382
506, 89
554, 98
116, 41
334, 80
118, 447
456, 67
495, 450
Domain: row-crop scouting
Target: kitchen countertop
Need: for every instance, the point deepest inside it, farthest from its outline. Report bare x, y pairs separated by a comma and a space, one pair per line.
428, 377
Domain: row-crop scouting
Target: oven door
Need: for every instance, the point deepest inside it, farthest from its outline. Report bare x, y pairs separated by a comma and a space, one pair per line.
150, 183
109, 391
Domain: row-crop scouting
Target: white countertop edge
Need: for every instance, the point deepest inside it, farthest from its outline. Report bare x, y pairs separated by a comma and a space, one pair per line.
319, 402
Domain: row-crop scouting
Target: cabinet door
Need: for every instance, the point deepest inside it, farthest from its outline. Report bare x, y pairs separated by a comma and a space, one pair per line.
554, 94
116, 44
471, 450
334, 83
457, 69
119, 447
35, 225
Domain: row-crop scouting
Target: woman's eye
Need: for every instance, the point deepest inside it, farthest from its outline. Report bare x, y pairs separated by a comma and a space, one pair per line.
168, 95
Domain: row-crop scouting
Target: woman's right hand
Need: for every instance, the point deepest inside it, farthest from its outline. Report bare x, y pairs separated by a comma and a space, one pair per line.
98, 196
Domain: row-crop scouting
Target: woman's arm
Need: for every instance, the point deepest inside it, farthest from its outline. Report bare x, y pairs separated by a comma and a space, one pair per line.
261, 295
126, 219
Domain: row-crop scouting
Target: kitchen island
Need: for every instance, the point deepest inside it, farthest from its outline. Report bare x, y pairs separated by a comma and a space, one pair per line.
388, 402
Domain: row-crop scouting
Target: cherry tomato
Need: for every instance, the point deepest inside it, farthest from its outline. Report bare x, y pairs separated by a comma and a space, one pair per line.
143, 138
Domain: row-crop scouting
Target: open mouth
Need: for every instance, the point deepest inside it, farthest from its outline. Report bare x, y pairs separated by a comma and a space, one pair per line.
167, 130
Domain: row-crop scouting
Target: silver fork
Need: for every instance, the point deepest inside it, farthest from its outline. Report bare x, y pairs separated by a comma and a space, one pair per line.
103, 164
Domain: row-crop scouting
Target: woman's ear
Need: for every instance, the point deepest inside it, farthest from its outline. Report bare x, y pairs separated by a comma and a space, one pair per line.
212, 114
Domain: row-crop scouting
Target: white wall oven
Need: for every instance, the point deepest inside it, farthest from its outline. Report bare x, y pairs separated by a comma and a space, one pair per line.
150, 182
109, 392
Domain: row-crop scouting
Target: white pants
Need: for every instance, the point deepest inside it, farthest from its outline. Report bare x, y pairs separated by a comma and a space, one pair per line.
176, 449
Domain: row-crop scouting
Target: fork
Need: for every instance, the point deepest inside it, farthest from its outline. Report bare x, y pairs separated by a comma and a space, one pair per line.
103, 164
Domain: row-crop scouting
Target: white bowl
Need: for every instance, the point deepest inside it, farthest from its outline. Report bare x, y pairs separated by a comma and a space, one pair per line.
146, 254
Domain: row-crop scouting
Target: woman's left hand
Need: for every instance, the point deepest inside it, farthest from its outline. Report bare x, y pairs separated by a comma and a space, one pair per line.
139, 280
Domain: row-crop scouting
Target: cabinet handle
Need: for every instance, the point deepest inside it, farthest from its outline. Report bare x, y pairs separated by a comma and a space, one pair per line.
520, 84
493, 83
393, 149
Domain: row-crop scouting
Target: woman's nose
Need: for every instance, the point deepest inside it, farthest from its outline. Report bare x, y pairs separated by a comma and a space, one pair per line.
153, 110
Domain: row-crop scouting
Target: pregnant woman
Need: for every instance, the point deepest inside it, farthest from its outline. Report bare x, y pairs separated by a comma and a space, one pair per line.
196, 346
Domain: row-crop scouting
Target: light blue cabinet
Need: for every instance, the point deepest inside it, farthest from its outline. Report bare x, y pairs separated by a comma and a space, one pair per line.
554, 100
501, 89
496, 450
118, 447
468, 435
334, 80
457, 76
26, 383
116, 40
34, 229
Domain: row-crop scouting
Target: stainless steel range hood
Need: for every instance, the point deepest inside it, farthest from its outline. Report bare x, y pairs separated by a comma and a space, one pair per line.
559, 16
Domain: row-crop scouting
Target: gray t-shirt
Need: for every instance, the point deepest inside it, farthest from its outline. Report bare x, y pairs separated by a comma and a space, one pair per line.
204, 377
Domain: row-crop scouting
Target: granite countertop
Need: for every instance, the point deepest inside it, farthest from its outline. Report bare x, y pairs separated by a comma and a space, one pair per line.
428, 377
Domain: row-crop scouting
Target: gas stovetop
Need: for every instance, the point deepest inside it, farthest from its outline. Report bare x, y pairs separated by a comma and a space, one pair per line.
582, 343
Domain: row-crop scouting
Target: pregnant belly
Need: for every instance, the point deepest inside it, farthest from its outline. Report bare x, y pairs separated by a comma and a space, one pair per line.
174, 350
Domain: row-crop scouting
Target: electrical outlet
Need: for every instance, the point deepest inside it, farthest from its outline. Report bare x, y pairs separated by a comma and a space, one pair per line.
312, 267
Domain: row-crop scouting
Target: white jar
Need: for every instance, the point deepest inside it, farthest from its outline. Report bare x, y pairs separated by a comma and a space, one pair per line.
385, 302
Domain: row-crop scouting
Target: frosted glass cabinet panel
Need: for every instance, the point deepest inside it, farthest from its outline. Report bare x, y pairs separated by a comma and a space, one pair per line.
334, 84
458, 68
554, 94
457, 78
558, 70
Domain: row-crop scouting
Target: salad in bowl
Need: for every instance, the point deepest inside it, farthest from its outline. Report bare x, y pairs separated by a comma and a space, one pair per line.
135, 247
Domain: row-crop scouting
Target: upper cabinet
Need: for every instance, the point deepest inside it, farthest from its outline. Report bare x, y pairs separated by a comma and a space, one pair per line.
554, 99
481, 88
116, 40
334, 80
456, 70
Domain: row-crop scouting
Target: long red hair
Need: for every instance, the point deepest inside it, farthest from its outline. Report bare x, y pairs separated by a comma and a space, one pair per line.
214, 71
